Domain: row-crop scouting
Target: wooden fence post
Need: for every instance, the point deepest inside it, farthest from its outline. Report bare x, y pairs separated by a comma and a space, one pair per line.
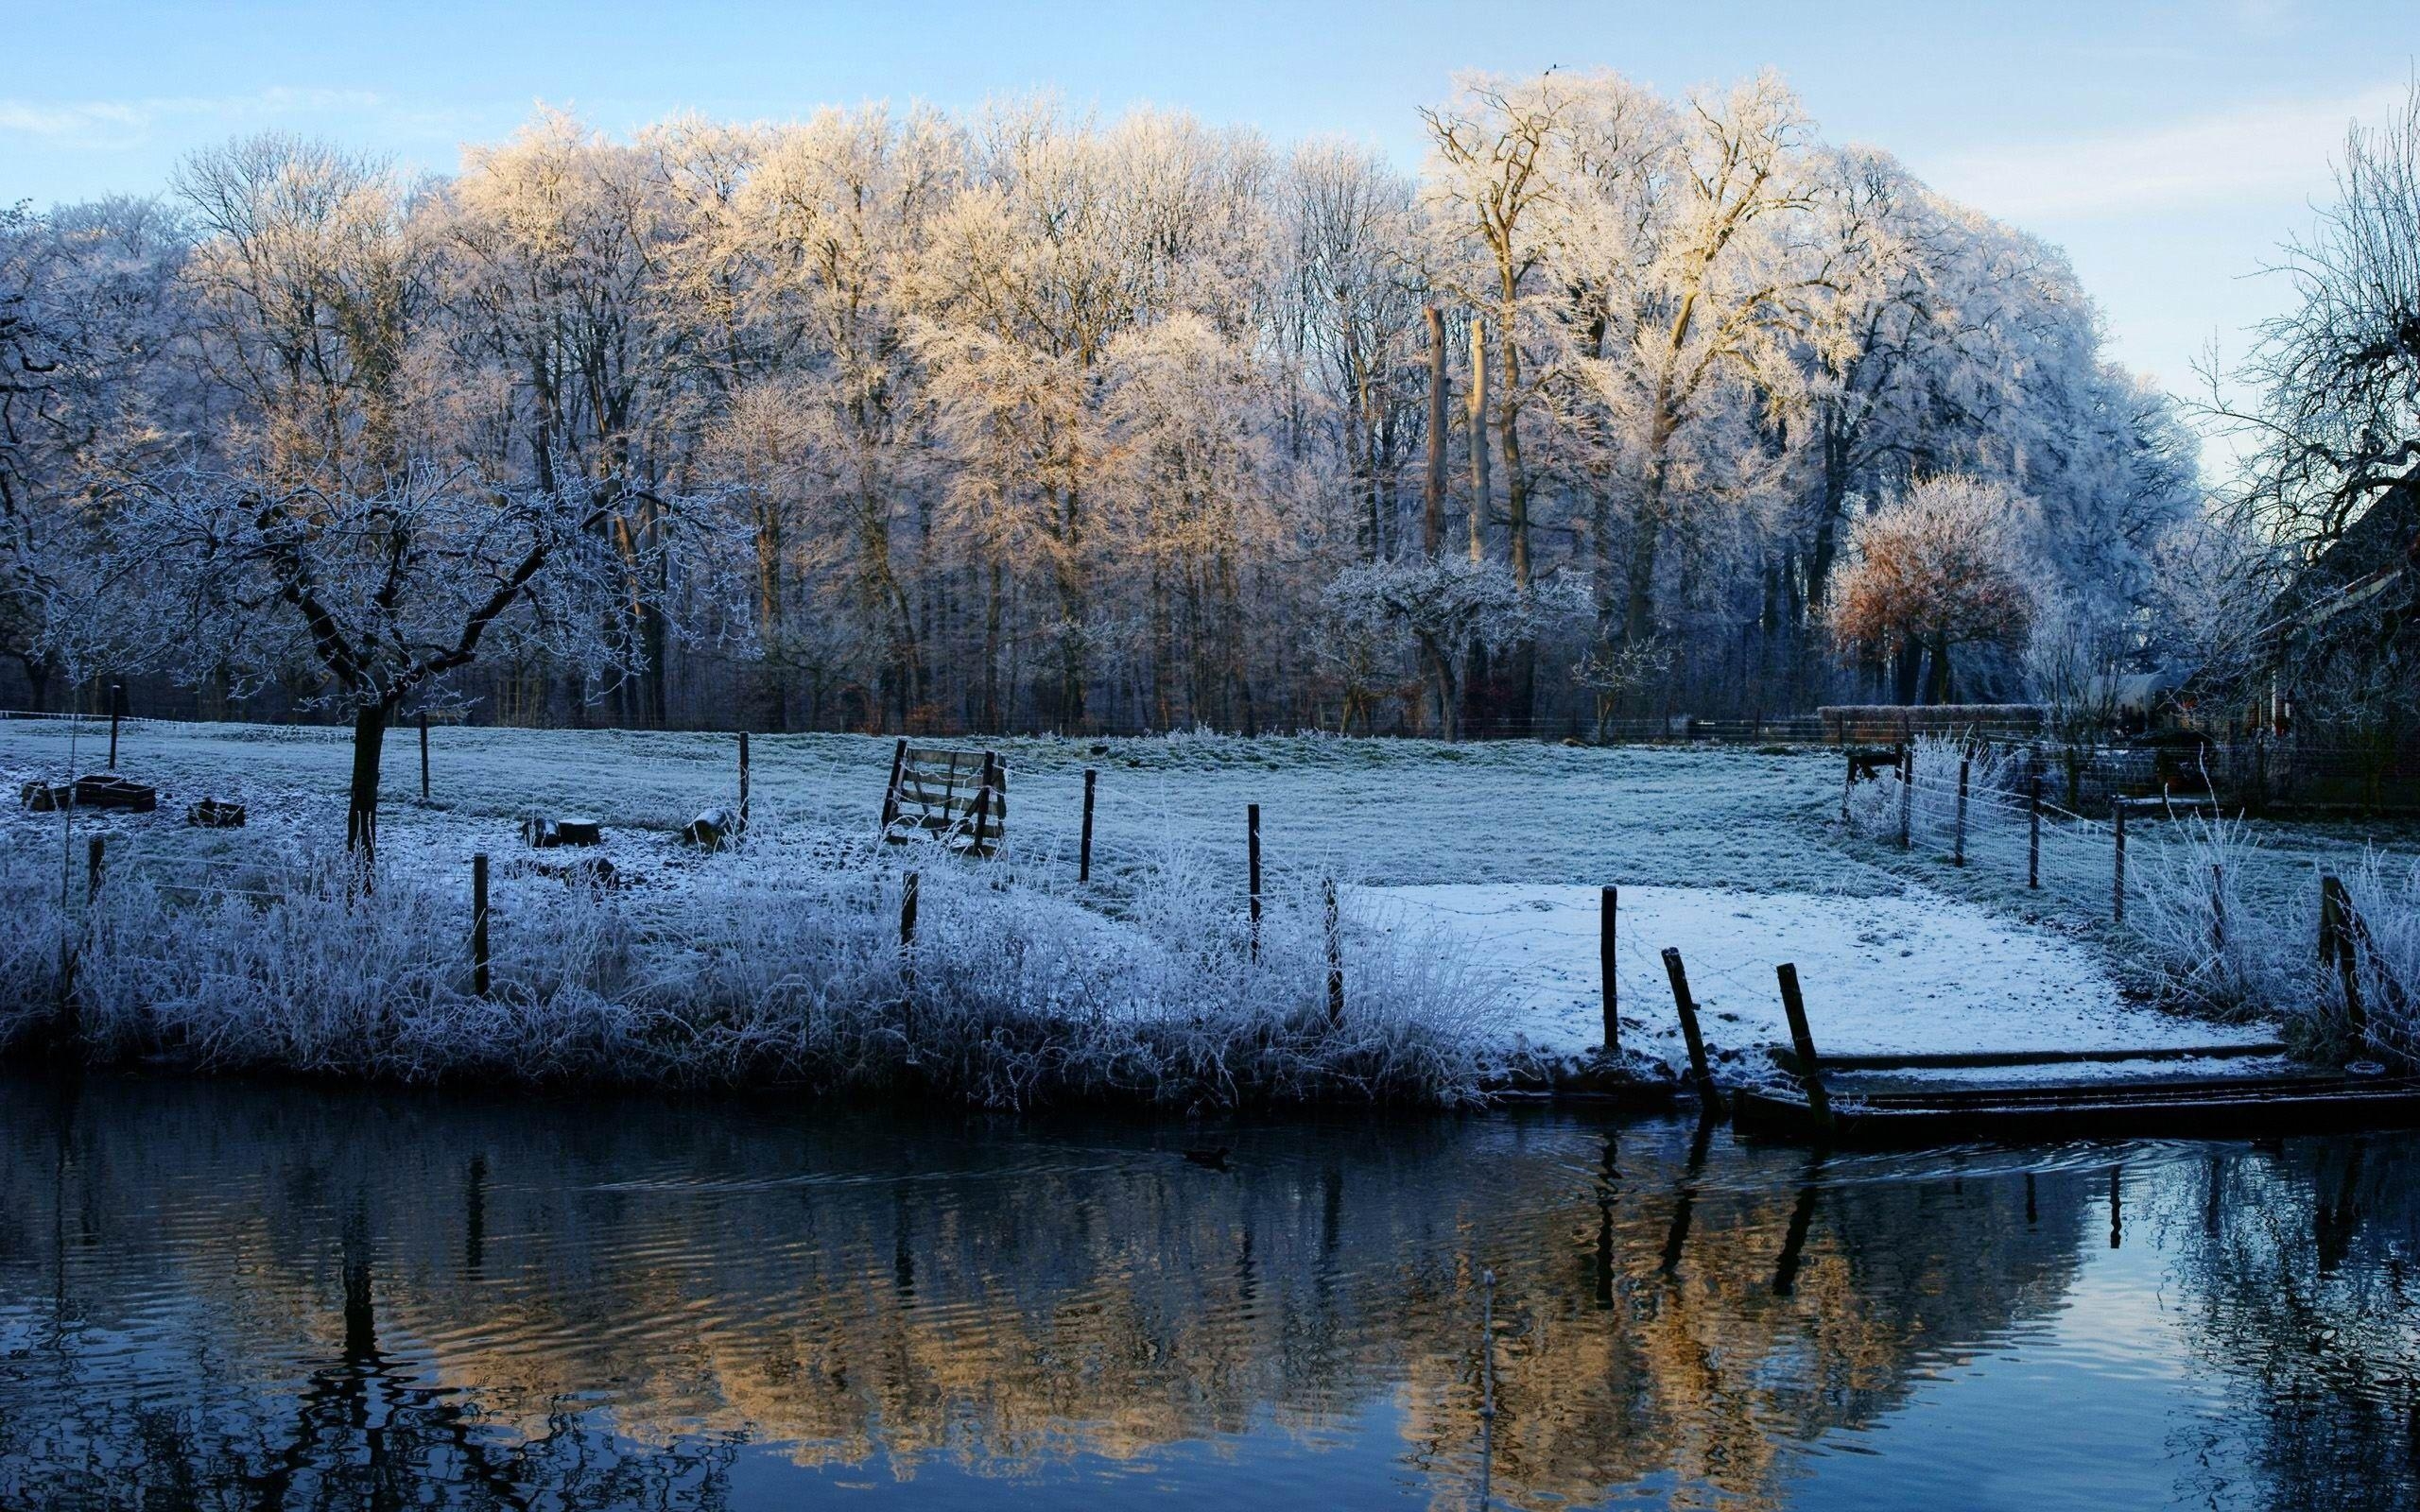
479, 924
907, 889
891, 794
1334, 960
1698, 1070
1084, 852
1907, 795
423, 755
743, 782
1802, 1041
2033, 827
2118, 862
1608, 905
1848, 778
1958, 854
2218, 909
983, 785
1251, 853
92, 869
2336, 948
118, 711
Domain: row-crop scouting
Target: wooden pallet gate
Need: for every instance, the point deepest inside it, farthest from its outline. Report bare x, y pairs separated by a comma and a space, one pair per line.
958, 796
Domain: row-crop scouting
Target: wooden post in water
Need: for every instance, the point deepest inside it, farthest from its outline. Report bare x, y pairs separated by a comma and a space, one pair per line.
1699, 1071
1608, 906
1334, 960
1487, 1347
1084, 852
1958, 853
1252, 863
2118, 863
743, 782
92, 869
479, 924
1802, 1041
423, 755
2033, 827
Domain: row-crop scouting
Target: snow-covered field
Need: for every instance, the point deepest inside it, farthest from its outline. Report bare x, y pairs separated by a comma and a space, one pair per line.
1493, 852
1916, 971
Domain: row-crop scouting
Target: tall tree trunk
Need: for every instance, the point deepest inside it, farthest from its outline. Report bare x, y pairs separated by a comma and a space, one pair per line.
1478, 433
1939, 689
1432, 488
361, 806
1521, 698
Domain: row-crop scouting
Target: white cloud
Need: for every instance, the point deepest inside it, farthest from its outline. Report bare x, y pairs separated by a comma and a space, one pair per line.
2257, 154
109, 125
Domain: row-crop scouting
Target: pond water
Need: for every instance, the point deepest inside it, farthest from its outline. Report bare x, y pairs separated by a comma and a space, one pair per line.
224, 1295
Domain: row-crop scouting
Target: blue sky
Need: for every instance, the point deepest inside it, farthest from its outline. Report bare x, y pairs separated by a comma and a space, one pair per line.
2169, 148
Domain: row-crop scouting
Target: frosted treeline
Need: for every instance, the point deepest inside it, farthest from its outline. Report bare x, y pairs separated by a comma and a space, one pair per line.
781, 965
893, 416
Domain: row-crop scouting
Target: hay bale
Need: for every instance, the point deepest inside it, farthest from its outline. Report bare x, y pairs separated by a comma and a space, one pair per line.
579, 831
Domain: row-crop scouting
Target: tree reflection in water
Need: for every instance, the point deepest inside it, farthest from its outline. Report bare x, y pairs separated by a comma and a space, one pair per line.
219, 1295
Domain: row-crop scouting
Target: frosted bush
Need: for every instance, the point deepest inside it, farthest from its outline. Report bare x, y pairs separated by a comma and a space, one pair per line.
2383, 895
1995, 792
2202, 943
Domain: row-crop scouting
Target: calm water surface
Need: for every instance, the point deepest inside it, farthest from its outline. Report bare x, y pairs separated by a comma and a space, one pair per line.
220, 1294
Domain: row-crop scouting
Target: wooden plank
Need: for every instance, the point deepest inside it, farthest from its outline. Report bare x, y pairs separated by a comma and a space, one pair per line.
1956, 1059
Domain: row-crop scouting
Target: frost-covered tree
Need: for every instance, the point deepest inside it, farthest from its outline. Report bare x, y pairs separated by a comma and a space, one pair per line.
90, 306
381, 593
1938, 569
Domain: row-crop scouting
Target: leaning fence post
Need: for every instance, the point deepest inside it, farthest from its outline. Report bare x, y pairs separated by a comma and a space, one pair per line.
1958, 854
1334, 960
118, 711
743, 782
1810, 1073
1699, 1069
423, 755
1848, 778
1084, 853
1252, 864
2033, 828
2118, 863
479, 924
2218, 909
2336, 948
1608, 905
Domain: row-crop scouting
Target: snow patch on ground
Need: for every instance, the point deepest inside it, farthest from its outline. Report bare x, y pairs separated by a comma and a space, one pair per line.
1915, 972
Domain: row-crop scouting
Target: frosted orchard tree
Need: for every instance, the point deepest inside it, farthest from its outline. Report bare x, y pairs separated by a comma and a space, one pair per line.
380, 592
1938, 569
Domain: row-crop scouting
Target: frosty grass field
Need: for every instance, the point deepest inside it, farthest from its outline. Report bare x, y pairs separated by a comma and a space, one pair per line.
1468, 874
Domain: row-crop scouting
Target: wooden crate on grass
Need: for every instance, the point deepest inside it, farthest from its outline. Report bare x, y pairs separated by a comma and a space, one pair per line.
957, 796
